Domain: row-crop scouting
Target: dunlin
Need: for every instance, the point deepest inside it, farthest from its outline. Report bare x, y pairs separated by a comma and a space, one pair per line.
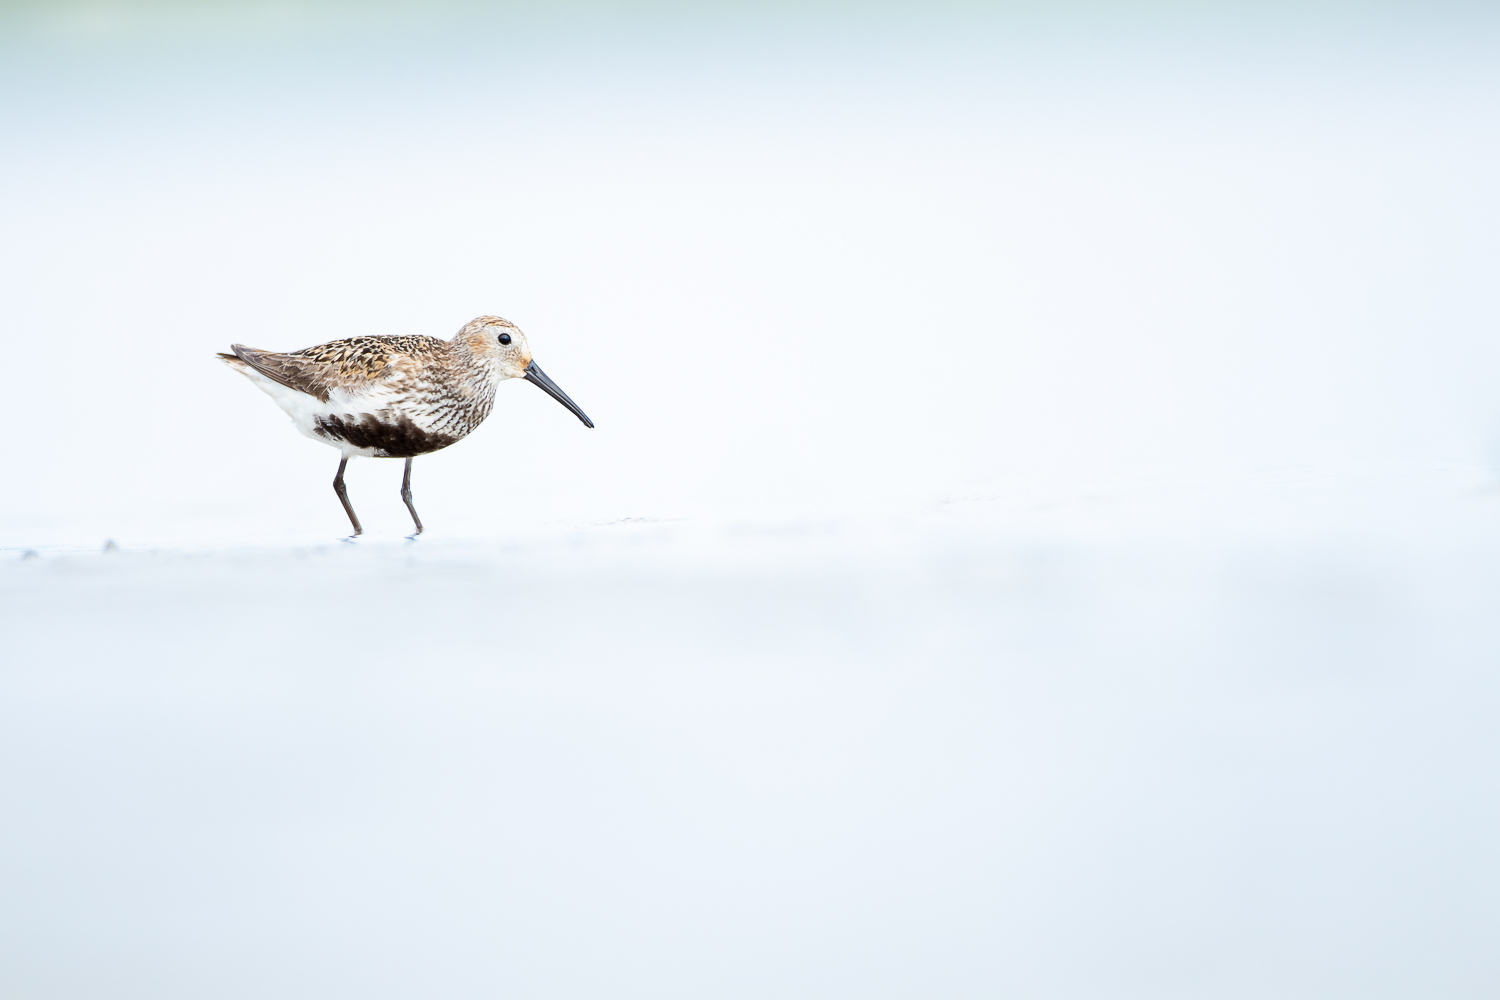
395, 397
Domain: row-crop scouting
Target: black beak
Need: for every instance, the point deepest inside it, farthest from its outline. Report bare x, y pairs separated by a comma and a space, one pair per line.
536, 376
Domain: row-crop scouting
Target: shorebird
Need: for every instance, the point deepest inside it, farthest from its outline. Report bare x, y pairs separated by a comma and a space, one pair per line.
395, 397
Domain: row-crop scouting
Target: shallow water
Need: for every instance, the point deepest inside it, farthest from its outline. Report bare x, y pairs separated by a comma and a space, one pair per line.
980, 749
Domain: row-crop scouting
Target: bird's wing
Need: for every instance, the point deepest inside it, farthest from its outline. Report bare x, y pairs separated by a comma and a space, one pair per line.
313, 376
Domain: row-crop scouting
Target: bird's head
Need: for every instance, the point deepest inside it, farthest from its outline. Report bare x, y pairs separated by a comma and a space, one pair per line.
498, 341
502, 343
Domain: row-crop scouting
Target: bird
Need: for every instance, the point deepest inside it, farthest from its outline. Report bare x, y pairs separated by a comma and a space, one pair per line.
395, 396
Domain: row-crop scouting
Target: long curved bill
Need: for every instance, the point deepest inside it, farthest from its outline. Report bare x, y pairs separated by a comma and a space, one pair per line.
536, 376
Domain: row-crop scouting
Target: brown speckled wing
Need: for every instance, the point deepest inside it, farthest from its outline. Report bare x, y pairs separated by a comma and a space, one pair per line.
314, 377
351, 364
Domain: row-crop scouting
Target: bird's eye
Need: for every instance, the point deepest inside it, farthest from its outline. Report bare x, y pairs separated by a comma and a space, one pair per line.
505, 338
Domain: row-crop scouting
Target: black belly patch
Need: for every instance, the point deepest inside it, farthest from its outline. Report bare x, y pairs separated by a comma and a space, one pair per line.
389, 437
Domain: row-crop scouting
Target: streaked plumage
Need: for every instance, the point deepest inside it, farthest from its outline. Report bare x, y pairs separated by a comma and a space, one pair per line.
395, 397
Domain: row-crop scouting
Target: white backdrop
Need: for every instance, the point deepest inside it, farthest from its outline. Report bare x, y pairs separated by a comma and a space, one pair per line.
789, 263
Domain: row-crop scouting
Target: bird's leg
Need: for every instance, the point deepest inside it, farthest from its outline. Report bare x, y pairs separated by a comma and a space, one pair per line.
406, 495
338, 487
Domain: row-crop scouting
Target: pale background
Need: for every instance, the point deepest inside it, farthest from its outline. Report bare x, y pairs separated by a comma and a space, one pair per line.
1041, 536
